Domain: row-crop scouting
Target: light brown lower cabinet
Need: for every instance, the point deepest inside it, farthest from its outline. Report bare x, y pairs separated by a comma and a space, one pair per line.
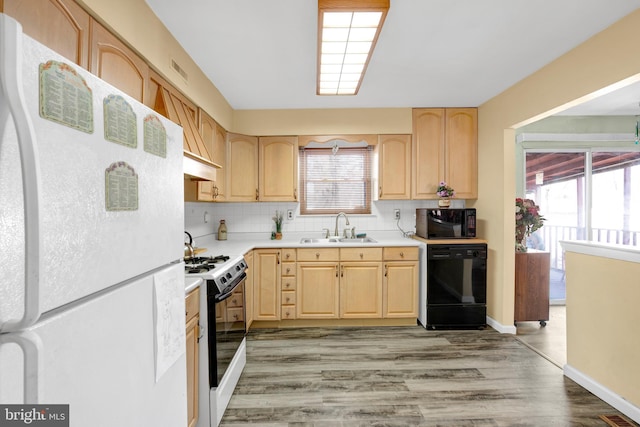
336, 283
318, 291
192, 304
400, 282
532, 286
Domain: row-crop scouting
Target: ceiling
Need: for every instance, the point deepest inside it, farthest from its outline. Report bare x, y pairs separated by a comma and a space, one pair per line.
431, 53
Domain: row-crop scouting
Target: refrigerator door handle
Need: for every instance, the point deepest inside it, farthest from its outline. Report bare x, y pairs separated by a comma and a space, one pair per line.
12, 103
31, 347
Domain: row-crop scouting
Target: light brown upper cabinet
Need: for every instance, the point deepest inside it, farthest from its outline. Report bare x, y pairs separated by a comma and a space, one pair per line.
278, 157
215, 140
242, 168
394, 167
445, 148
61, 25
115, 63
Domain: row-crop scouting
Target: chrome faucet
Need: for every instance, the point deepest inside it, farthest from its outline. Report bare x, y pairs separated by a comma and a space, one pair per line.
338, 216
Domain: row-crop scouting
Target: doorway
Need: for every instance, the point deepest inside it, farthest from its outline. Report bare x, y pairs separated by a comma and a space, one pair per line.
586, 193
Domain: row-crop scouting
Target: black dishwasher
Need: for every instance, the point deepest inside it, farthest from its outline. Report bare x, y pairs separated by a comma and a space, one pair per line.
456, 286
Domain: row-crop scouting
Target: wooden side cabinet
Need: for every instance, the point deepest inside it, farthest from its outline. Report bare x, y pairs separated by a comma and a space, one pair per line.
192, 305
532, 286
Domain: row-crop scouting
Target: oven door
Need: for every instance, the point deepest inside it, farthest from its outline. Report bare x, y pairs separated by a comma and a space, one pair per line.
227, 329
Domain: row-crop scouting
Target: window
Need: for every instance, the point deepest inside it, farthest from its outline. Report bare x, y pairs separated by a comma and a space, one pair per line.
335, 180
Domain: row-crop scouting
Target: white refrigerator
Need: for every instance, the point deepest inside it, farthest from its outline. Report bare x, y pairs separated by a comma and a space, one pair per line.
91, 240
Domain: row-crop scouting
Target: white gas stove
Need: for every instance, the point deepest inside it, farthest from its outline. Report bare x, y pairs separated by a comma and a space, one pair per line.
222, 353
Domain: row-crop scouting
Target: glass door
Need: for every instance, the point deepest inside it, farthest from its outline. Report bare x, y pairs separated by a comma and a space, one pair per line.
556, 181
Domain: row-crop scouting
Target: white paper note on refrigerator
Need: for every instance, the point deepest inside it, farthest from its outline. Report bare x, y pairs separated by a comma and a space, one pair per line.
168, 313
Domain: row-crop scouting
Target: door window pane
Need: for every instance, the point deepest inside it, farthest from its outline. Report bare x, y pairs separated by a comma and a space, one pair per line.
616, 197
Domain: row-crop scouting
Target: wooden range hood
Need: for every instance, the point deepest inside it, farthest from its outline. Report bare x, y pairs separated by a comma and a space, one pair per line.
197, 162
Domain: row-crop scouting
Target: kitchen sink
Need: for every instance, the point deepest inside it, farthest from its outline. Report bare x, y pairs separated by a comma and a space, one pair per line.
312, 240
358, 240
334, 240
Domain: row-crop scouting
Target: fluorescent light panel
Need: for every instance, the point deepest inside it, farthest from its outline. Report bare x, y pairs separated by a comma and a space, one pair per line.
346, 39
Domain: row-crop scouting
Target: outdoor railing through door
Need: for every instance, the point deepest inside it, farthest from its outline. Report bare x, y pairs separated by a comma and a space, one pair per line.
548, 238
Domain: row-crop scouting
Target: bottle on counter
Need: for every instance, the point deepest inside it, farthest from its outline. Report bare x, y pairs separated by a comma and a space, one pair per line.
222, 230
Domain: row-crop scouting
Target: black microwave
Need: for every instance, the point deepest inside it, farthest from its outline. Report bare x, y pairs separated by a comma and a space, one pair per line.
437, 223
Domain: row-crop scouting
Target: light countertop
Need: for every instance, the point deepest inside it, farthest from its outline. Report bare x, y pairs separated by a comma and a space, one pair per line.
450, 241
241, 243
190, 283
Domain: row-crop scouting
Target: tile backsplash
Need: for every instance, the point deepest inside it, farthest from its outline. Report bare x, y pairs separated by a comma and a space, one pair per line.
257, 217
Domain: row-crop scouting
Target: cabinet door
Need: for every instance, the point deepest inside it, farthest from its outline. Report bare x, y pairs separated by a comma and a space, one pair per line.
192, 371
360, 290
242, 168
278, 169
461, 151
400, 289
317, 295
192, 305
394, 167
215, 139
266, 285
114, 62
248, 288
428, 152
61, 25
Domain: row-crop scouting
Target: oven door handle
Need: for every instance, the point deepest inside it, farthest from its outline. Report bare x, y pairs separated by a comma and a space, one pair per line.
222, 297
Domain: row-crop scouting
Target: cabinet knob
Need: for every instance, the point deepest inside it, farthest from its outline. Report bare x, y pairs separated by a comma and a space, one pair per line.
287, 256
402, 254
288, 270
317, 254
361, 255
288, 299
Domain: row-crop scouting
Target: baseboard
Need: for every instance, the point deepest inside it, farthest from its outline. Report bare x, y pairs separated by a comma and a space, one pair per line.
511, 329
613, 399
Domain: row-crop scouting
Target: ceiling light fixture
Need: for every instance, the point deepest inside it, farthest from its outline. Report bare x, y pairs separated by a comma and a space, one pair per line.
347, 33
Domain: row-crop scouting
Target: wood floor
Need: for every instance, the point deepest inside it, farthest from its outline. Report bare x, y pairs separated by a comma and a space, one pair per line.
403, 376
550, 341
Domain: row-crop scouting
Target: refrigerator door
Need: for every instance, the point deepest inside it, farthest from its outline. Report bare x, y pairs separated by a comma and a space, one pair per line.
84, 246
117, 359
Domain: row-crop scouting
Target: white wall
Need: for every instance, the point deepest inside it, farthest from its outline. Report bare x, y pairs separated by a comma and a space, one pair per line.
256, 217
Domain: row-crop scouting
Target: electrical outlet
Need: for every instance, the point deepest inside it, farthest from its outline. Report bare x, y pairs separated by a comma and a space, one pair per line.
289, 214
396, 213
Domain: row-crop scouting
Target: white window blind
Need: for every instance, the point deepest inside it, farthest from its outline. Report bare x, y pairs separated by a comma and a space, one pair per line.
335, 181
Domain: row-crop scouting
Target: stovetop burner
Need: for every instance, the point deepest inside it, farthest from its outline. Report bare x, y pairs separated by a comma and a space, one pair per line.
203, 264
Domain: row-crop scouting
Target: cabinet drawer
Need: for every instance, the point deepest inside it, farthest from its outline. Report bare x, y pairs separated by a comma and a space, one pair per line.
360, 254
236, 300
288, 254
192, 304
288, 312
288, 269
288, 298
235, 313
319, 254
401, 253
288, 283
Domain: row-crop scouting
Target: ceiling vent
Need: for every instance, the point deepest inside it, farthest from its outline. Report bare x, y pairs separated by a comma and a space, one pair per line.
178, 69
